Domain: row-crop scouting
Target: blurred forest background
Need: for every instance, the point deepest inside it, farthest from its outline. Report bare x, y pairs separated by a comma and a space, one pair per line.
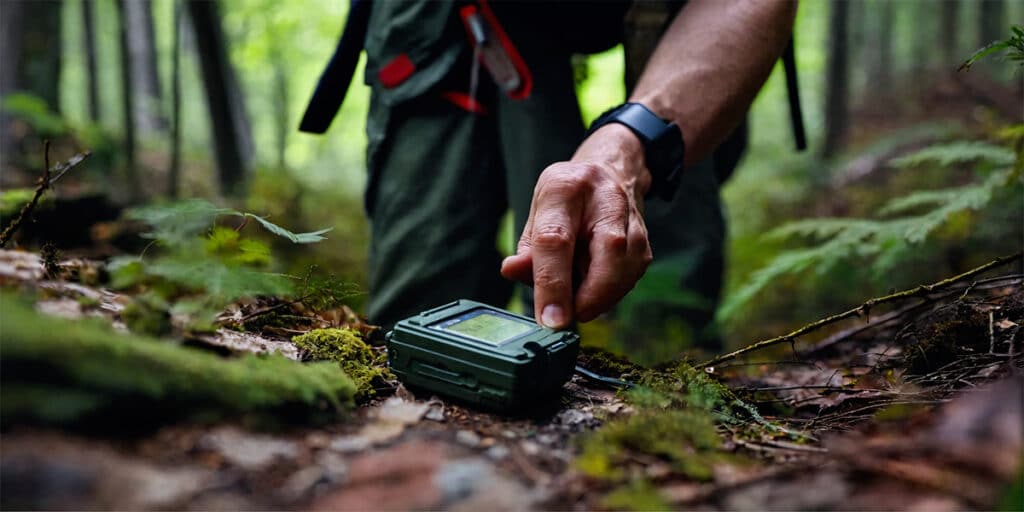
201, 99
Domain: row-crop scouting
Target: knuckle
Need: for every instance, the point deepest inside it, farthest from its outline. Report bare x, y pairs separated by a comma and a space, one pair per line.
617, 241
587, 172
549, 279
553, 236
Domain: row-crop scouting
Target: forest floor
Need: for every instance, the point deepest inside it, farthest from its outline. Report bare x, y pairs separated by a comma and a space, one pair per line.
917, 407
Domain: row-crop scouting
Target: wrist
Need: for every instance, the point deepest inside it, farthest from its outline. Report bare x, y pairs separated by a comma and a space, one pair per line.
623, 152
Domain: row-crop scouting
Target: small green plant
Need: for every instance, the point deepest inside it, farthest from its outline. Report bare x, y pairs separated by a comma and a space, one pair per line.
199, 266
1011, 47
901, 226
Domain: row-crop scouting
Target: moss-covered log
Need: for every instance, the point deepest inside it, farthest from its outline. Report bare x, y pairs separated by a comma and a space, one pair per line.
59, 371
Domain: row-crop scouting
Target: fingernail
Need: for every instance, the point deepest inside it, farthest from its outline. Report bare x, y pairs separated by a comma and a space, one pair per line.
552, 316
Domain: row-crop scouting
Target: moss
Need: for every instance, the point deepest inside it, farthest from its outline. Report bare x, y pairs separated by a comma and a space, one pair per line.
686, 439
637, 495
345, 346
147, 314
111, 373
942, 340
608, 364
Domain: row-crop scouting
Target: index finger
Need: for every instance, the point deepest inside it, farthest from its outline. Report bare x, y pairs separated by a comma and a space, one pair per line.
552, 243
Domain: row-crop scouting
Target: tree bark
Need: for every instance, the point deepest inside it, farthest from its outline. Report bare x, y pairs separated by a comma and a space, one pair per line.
990, 21
89, 47
174, 173
11, 15
145, 77
33, 31
947, 35
282, 124
128, 105
836, 79
883, 74
231, 129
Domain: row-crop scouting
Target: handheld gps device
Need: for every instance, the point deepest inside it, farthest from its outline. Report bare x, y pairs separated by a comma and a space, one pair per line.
483, 355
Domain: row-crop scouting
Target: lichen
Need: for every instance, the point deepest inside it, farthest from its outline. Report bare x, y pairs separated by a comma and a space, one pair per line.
355, 356
101, 373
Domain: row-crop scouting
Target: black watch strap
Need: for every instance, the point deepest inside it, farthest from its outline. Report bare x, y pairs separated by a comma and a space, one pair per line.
664, 149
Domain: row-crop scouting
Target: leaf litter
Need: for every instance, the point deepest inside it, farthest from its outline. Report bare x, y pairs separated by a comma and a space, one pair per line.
921, 410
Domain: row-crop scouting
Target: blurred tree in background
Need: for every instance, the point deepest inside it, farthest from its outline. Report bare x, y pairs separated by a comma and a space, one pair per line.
201, 98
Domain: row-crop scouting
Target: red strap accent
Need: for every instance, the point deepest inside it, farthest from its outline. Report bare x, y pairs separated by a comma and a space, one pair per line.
465, 102
526, 87
396, 71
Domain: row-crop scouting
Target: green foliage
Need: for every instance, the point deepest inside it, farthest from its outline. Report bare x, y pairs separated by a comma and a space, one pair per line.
637, 495
1011, 47
881, 243
34, 111
177, 222
12, 201
354, 355
82, 370
201, 267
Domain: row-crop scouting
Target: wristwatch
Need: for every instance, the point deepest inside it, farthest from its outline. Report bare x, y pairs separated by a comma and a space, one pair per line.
664, 148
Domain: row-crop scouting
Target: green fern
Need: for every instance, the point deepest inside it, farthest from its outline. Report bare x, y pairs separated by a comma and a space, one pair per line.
199, 267
177, 222
885, 241
957, 152
1012, 48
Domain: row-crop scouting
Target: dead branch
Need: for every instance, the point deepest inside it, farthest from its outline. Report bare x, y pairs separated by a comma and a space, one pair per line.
918, 291
45, 182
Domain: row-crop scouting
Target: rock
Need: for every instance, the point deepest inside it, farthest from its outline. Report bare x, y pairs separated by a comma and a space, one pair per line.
497, 452
467, 438
248, 451
350, 444
436, 412
398, 410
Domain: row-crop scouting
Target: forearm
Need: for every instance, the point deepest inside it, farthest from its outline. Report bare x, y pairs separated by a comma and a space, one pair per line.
709, 65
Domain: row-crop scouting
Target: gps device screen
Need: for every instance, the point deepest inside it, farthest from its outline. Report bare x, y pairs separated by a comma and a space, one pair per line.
486, 326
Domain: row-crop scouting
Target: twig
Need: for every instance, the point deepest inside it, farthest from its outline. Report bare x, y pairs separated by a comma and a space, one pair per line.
918, 291
44, 184
271, 309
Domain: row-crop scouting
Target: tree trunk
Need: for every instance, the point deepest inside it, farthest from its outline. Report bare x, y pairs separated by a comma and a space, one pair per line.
174, 173
128, 105
990, 21
89, 43
11, 15
883, 73
281, 122
947, 34
836, 79
145, 78
34, 32
231, 129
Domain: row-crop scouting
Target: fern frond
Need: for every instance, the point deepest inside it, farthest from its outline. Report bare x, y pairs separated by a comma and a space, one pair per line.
821, 228
790, 262
296, 238
957, 152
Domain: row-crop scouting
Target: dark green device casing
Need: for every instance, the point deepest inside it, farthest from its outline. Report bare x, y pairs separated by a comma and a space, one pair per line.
424, 351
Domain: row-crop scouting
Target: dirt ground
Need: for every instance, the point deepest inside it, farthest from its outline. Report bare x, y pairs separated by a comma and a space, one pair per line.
919, 408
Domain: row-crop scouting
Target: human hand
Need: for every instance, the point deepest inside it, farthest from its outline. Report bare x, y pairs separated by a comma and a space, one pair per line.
585, 214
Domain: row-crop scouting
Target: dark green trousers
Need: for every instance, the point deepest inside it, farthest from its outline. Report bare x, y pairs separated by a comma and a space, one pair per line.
441, 178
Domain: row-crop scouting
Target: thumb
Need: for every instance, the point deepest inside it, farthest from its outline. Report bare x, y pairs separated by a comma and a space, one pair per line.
518, 267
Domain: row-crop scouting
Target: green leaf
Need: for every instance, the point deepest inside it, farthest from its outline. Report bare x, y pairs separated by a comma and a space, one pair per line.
957, 152
298, 238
